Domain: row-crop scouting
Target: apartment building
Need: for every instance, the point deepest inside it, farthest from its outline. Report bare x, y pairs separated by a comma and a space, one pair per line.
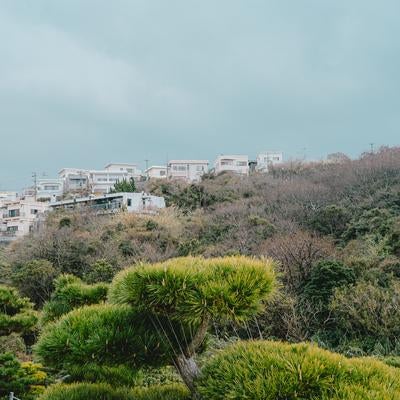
113, 203
97, 181
7, 196
20, 216
187, 170
238, 164
267, 159
156, 172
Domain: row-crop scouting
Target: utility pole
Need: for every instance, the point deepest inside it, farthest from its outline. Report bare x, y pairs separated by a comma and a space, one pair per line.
372, 148
34, 176
147, 167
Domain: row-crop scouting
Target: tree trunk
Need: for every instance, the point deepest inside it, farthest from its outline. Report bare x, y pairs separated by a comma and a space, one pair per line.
189, 371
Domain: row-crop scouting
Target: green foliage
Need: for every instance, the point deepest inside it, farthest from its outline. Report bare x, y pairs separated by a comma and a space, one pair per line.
368, 312
188, 289
330, 220
70, 292
124, 186
100, 271
25, 379
16, 313
325, 276
34, 279
108, 335
102, 391
274, 370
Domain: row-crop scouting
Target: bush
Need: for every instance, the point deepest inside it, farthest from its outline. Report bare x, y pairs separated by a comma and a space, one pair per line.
16, 313
107, 335
70, 292
274, 370
368, 312
24, 379
86, 391
34, 279
100, 271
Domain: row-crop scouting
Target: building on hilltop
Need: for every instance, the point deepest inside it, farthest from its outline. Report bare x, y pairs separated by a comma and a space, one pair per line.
20, 216
187, 170
156, 172
268, 159
238, 164
113, 203
97, 181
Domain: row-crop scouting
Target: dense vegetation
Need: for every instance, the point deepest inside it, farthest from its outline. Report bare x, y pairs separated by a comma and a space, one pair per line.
333, 230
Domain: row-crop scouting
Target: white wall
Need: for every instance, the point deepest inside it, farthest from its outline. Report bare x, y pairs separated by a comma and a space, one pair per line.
238, 164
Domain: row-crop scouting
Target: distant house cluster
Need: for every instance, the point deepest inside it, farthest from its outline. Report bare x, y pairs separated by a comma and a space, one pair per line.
77, 188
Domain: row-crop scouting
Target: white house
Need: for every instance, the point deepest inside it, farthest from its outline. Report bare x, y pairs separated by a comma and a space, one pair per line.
114, 202
187, 170
7, 196
156, 172
97, 181
20, 216
238, 164
268, 158
49, 189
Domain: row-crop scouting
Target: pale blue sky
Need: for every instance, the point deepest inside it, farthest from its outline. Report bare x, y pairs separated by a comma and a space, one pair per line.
86, 82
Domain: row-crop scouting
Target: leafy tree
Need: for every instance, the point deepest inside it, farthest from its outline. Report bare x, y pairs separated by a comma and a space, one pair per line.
100, 271
330, 220
325, 276
34, 279
160, 314
126, 186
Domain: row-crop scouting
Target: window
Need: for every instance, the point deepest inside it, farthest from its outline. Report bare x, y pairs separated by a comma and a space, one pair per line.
241, 163
226, 162
13, 213
179, 167
12, 228
130, 170
162, 173
50, 187
34, 211
129, 202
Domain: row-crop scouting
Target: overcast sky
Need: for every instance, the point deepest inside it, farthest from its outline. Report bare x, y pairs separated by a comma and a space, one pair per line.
86, 82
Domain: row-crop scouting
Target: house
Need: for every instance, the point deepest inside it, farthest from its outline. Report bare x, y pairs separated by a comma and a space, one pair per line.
49, 189
20, 216
7, 196
267, 159
187, 170
114, 202
97, 181
238, 164
156, 172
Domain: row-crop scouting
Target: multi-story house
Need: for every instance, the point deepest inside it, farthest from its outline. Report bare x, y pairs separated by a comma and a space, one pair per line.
187, 170
97, 181
267, 159
114, 202
49, 189
20, 216
238, 164
156, 172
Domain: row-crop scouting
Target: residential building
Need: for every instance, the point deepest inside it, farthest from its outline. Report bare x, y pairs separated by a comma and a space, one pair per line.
156, 172
97, 181
49, 189
114, 202
187, 170
238, 164
20, 216
8, 196
267, 159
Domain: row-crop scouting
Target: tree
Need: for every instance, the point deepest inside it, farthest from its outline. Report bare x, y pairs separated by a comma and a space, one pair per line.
126, 186
160, 314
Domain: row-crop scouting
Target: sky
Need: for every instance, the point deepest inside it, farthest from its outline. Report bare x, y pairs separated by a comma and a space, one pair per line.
87, 82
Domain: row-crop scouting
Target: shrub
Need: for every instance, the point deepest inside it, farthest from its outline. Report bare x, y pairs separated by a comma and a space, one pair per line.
24, 379
274, 370
16, 313
34, 279
368, 312
100, 271
106, 334
70, 292
102, 391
